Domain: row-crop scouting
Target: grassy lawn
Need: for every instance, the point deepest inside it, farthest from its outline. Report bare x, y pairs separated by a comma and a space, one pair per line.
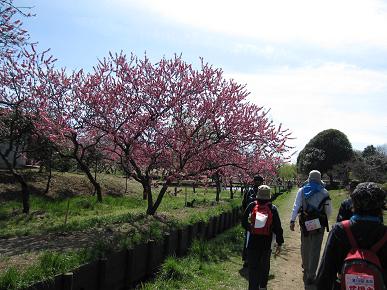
69, 204
209, 265
70, 213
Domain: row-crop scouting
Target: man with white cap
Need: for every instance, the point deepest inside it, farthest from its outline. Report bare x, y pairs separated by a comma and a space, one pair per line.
313, 206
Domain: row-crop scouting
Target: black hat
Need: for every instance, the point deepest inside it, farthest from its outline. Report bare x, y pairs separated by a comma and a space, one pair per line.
258, 178
368, 196
353, 183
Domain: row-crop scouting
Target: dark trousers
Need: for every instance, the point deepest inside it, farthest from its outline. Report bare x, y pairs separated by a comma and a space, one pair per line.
244, 251
259, 267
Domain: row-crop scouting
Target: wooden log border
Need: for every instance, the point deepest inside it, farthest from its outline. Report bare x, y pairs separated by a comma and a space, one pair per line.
126, 268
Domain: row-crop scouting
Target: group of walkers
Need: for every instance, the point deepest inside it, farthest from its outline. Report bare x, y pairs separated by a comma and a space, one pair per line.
355, 254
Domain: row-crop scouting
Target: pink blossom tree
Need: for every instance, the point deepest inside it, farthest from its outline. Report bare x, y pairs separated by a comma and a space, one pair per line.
136, 101
12, 35
18, 79
64, 116
257, 146
176, 121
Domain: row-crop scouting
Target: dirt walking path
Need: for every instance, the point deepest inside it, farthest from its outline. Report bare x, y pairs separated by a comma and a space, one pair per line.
286, 268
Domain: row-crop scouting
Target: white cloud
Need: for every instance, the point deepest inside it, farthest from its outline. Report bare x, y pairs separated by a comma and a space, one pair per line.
310, 100
325, 23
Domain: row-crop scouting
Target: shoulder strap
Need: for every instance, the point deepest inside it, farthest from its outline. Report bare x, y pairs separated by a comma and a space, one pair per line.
375, 248
270, 207
252, 204
303, 202
346, 225
322, 202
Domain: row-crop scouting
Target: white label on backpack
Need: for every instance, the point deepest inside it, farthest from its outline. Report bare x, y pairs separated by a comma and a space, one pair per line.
312, 225
359, 281
260, 220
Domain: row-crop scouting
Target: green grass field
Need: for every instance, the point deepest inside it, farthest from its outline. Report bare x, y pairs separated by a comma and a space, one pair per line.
70, 207
64, 211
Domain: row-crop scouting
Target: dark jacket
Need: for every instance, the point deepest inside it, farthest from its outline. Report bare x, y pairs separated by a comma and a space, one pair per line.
345, 211
366, 234
260, 241
249, 196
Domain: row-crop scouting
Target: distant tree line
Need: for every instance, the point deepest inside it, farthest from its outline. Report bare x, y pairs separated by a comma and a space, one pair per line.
331, 153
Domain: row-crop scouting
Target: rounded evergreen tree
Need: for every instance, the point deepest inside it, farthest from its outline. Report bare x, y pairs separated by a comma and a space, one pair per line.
327, 149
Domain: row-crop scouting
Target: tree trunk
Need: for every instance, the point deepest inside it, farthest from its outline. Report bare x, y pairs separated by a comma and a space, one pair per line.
231, 191
25, 194
152, 208
126, 183
95, 169
330, 179
218, 187
49, 173
24, 186
94, 182
145, 194
48, 180
147, 191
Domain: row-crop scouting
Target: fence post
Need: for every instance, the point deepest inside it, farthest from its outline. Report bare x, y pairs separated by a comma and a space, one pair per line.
190, 236
101, 273
179, 242
67, 280
149, 261
167, 241
201, 230
128, 267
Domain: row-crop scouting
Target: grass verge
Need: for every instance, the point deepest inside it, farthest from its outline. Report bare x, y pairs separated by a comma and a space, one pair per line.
69, 210
48, 265
205, 267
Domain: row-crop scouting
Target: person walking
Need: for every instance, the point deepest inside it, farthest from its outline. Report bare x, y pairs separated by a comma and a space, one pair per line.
346, 211
313, 207
251, 194
248, 197
367, 230
261, 220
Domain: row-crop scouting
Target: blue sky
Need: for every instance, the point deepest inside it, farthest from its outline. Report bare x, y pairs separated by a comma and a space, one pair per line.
316, 64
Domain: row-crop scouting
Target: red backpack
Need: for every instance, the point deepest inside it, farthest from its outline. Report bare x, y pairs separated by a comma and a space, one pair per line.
261, 219
362, 269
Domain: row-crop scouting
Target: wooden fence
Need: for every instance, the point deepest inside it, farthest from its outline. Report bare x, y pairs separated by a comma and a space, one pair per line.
124, 269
